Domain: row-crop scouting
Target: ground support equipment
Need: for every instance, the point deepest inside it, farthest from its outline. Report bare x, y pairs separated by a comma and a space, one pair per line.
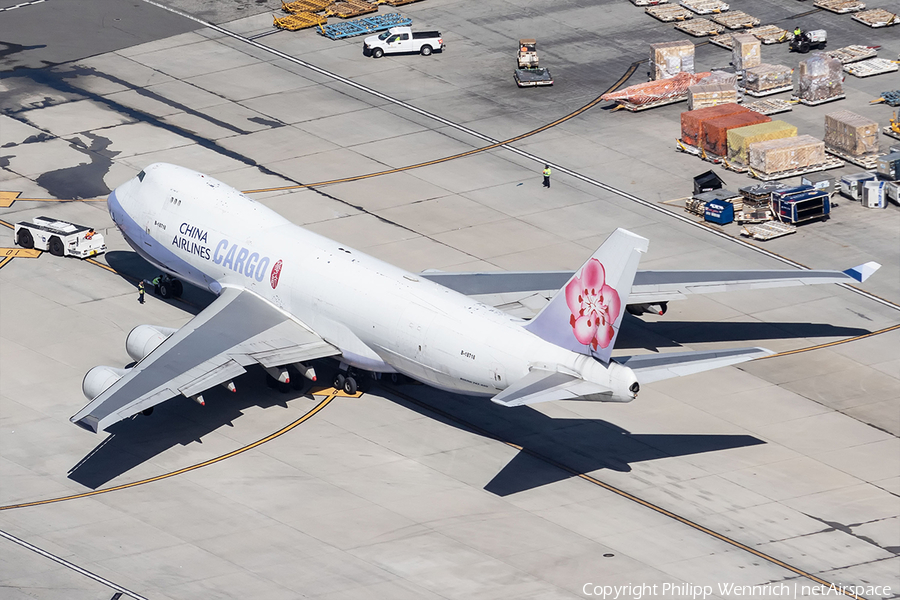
768, 231
868, 161
877, 18
702, 154
533, 77
839, 6
648, 2
705, 7
830, 163
364, 26
395, 2
770, 92
822, 101
297, 21
872, 66
348, 9
699, 27
301, 6
631, 107
736, 19
770, 107
851, 54
668, 13
890, 133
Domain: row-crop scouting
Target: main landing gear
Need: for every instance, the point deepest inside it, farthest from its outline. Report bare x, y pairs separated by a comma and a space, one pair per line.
167, 287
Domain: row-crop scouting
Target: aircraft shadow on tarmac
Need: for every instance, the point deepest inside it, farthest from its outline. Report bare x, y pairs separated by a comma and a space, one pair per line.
179, 421
574, 445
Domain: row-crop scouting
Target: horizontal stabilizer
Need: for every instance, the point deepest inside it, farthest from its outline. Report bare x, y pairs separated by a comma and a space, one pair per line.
541, 385
656, 367
863, 272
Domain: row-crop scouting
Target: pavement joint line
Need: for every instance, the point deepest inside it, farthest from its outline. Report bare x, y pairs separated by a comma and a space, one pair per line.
524, 154
331, 395
620, 492
72, 566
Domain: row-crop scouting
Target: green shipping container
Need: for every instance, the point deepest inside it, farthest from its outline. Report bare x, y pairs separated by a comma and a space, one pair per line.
740, 138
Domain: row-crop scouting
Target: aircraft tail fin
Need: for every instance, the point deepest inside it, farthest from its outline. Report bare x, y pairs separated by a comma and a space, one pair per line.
585, 314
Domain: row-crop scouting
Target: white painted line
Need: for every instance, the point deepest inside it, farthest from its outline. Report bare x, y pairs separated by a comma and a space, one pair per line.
69, 565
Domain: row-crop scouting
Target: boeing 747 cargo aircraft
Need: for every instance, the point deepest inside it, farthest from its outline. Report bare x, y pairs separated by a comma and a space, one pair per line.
286, 296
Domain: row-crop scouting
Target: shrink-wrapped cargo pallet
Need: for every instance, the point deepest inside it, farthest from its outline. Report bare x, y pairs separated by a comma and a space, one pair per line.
851, 133
668, 59
820, 78
715, 131
692, 121
746, 51
704, 95
765, 77
740, 138
786, 154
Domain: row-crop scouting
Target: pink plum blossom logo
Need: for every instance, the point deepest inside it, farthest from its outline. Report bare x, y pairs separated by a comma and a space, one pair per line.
595, 306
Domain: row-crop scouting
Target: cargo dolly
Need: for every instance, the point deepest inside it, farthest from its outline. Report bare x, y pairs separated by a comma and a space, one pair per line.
395, 2
736, 19
632, 107
768, 92
866, 161
297, 21
840, 6
366, 25
648, 2
830, 163
699, 27
301, 6
851, 54
348, 9
877, 18
770, 107
533, 77
768, 231
705, 7
702, 154
870, 67
668, 13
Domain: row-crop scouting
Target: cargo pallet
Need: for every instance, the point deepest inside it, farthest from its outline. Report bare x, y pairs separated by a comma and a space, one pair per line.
769, 92
890, 133
669, 13
702, 154
768, 231
648, 2
769, 34
867, 161
705, 7
699, 27
364, 26
770, 107
297, 21
851, 54
533, 77
348, 9
631, 107
839, 6
870, 67
818, 102
830, 163
304, 6
736, 19
877, 18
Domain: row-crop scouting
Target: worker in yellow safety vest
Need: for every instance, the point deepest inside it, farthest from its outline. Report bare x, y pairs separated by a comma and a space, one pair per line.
546, 176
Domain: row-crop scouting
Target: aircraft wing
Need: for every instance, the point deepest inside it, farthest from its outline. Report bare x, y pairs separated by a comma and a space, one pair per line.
649, 287
237, 330
656, 367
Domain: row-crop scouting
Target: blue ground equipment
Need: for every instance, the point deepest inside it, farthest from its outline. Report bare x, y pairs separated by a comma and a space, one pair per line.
366, 25
800, 204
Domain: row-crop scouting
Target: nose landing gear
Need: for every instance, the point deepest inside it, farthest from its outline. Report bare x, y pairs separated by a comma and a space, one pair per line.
167, 287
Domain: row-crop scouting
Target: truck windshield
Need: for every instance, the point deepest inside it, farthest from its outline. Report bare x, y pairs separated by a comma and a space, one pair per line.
384, 35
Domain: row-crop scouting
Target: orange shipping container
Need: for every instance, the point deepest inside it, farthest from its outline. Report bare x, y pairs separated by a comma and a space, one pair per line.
715, 131
692, 121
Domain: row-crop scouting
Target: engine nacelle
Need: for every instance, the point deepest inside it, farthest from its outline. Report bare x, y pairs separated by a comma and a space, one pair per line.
639, 309
144, 339
99, 379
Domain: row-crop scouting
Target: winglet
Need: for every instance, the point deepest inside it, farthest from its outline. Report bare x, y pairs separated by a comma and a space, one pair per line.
863, 272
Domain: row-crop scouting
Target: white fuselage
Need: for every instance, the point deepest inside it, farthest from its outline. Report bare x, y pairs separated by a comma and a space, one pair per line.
382, 318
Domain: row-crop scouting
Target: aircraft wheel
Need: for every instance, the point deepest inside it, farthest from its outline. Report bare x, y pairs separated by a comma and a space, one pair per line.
350, 386
339, 381
56, 247
24, 239
177, 288
165, 290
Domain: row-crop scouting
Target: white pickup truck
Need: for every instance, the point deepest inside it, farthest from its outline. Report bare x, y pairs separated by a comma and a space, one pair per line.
399, 40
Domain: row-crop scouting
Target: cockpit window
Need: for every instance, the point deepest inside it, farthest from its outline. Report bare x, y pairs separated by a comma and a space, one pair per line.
141, 176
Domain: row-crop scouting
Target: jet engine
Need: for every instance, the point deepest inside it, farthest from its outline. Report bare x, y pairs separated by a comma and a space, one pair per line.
99, 379
144, 339
639, 309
